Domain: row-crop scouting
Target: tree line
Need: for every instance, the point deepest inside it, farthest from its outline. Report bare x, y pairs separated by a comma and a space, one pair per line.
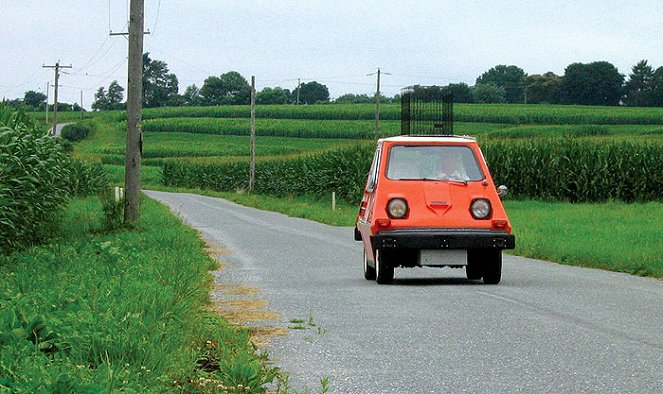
595, 83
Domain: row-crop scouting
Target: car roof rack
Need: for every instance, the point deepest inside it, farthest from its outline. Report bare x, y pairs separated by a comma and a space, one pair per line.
426, 111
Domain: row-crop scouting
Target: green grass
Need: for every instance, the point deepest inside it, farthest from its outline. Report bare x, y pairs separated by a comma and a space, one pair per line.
126, 311
612, 236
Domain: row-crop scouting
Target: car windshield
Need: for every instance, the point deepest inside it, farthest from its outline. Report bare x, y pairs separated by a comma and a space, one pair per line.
433, 162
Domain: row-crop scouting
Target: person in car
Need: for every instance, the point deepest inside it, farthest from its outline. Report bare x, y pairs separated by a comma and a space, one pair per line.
450, 166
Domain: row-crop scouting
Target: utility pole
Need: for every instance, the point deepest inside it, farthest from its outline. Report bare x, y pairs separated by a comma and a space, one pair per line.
298, 83
134, 108
81, 104
377, 104
57, 68
48, 86
252, 164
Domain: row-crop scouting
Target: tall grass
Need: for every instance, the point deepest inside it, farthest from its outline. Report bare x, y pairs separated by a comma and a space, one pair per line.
119, 312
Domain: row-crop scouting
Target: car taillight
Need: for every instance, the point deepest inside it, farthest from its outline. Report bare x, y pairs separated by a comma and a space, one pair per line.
480, 208
397, 208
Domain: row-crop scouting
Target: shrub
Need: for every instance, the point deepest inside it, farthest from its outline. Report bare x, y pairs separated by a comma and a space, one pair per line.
112, 202
77, 131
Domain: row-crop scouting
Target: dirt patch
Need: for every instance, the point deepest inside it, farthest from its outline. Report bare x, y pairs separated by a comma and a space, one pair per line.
238, 290
247, 312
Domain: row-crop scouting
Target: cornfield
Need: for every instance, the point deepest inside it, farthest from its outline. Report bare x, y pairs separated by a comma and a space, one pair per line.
548, 169
484, 113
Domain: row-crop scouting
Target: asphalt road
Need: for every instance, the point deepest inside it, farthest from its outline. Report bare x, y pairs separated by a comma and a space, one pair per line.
545, 328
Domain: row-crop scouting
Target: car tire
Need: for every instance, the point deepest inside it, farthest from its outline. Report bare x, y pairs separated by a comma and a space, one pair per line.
369, 272
473, 270
492, 267
384, 273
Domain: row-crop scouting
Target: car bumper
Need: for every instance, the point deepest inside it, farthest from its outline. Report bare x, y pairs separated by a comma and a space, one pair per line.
444, 239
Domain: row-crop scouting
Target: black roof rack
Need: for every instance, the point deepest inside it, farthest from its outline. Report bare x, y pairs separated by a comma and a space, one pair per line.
426, 110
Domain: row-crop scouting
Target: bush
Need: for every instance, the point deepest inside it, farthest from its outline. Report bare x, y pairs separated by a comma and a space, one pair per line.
77, 131
112, 202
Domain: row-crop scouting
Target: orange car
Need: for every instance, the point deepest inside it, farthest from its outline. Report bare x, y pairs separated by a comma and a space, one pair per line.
430, 201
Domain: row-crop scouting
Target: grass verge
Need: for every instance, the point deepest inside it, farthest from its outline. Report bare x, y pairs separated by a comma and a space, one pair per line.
126, 311
613, 236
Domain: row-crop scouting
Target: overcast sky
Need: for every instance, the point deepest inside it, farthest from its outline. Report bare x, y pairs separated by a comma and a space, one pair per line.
334, 42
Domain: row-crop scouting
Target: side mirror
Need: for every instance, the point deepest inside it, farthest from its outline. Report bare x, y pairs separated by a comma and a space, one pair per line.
502, 191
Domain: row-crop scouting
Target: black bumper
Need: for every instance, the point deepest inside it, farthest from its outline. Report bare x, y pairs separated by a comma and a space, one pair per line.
444, 239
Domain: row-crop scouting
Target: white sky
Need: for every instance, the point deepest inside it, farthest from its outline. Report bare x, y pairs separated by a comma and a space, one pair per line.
335, 42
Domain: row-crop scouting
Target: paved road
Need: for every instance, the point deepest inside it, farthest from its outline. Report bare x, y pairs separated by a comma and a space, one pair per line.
545, 328
58, 129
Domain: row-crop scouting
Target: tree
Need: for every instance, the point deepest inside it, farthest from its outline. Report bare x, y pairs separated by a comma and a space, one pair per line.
115, 93
486, 93
228, 89
100, 100
159, 87
638, 90
597, 83
657, 88
461, 92
191, 96
544, 88
510, 78
111, 99
275, 95
34, 99
313, 92
350, 98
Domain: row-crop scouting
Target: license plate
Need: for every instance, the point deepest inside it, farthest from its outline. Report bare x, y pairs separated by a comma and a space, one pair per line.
443, 257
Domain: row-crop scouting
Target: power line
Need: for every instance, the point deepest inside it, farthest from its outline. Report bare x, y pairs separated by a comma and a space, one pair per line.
154, 28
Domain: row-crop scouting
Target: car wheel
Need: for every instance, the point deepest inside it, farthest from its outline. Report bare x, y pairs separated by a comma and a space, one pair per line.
473, 270
383, 273
369, 272
492, 267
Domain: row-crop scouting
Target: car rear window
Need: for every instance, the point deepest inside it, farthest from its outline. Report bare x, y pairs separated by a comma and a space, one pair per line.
433, 162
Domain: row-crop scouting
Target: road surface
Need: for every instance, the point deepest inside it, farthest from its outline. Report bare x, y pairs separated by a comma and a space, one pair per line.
546, 328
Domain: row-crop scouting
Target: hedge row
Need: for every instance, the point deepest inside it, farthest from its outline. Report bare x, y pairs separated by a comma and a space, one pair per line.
549, 169
37, 178
484, 113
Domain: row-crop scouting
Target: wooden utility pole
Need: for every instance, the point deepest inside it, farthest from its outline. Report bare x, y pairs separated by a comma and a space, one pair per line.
298, 83
252, 164
377, 104
48, 86
57, 68
134, 108
81, 104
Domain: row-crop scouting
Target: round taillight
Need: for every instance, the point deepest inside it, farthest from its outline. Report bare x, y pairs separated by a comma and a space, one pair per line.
397, 208
480, 208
